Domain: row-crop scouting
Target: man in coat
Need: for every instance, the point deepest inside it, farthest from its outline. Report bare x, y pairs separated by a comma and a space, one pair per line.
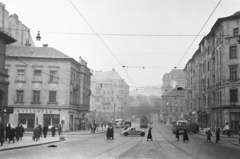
149, 136
45, 130
12, 135
59, 129
112, 132
185, 136
108, 133
40, 130
1, 134
217, 135
8, 128
53, 129
18, 132
36, 134
22, 131
177, 134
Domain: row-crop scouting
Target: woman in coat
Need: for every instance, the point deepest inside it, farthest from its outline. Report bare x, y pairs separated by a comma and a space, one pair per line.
36, 134
209, 134
59, 129
45, 130
185, 136
112, 132
218, 135
149, 134
12, 135
108, 133
53, 129
177, 134
1, 134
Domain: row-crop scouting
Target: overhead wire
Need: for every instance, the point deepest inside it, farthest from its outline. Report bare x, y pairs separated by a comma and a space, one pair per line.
196, 36
101, 40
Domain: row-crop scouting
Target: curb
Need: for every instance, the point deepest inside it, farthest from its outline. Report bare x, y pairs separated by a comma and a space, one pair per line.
26, 146
235, 143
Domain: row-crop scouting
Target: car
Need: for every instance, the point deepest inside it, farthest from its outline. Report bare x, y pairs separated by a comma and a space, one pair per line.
132, 131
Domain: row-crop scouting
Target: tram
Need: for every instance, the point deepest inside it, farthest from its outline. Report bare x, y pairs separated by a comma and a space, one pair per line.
143, 122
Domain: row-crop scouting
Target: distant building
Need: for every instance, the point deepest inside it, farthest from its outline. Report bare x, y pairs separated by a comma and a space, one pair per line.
109, 92
15, 28
5, 39
173, 106
173, 79
47, 87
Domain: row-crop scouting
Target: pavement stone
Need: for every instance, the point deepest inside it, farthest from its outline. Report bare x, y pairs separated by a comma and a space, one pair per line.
27, 140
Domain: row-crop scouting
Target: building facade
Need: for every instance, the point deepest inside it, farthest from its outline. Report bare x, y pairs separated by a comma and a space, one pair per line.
212, 88
46, 87
4, 40
109, 96
14, 27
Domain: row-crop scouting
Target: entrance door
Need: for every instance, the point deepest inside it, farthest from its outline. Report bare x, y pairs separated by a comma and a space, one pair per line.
235, 126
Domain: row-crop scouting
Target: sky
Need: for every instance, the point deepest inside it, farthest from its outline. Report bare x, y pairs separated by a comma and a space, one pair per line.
63, 27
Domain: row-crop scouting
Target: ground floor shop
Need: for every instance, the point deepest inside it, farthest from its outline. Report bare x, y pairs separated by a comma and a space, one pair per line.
30, 118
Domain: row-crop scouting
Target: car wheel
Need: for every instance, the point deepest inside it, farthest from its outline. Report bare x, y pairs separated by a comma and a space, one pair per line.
142, 134
125, 133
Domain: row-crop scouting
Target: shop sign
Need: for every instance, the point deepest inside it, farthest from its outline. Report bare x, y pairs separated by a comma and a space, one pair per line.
32, 111
71, 112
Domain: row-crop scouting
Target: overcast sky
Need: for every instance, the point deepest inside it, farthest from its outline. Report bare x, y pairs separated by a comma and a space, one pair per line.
61, 27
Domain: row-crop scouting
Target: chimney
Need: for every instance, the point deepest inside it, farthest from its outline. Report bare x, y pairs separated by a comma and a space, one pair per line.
80, 60
45, 45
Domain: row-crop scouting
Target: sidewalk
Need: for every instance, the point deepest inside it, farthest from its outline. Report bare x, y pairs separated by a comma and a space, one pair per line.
27, 140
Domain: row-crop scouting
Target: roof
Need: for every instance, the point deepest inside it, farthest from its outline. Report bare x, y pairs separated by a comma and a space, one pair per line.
106, 75
175, 93
6, 37
234, 16
28, 51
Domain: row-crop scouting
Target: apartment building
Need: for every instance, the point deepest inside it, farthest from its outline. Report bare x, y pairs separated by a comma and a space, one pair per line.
47, 87
212, 88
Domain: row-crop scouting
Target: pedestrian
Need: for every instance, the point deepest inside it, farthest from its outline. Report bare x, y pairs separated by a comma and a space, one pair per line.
40, 129
59, 129
12, 135
22, 131
90, 126
209, 134
53, 129
102, 126
111, 133
93, 128
185, 136
217, 135
8, 128
149, 136
2, 134
177, 134
18, 132
36, 134
108, 133
45, 130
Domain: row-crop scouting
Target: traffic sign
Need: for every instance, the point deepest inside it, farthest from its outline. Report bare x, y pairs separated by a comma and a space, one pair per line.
8, 110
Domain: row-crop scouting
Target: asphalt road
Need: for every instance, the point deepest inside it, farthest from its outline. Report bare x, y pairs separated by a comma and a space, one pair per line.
164, 146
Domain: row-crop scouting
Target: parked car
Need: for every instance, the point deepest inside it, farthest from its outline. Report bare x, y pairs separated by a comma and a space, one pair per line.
193, 127
132, 131
181, 125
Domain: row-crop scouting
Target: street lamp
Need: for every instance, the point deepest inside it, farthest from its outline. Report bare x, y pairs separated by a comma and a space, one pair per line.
38, 36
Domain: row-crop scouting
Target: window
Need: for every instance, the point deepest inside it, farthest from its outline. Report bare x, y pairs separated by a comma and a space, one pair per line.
176, 109
233, 72
52, 96
36, 96
235, 32
233, 52
112, 92
233, 95
37, 75
53, 76
21, 75
19, 95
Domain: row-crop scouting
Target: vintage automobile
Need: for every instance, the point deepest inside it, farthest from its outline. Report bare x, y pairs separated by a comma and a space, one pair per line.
132, 131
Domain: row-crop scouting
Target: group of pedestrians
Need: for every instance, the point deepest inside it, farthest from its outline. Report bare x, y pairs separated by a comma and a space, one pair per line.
110, 132
38, 131
208, 135
10, 133
93, 126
